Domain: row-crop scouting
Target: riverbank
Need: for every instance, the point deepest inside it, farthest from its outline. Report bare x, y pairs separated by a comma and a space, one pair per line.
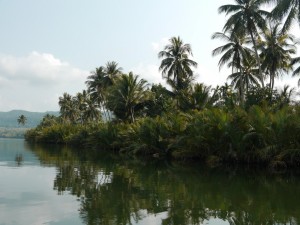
259, 136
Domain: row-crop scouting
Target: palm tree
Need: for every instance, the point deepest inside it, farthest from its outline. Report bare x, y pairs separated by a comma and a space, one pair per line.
97, 84
80, 100
22, 120
68, 108
199, 96
233, 51
276, 52
100, 80
91, 112
246, 18
176, 67
286, 8
245, 77
64, 102
112, 71
297, 70
127, 93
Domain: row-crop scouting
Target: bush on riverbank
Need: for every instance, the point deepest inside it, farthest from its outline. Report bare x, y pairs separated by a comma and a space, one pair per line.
259, 135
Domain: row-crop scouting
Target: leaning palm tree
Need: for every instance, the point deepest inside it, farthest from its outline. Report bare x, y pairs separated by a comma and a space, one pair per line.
246, 17
176, 66
127, 93
276, 50
22, 120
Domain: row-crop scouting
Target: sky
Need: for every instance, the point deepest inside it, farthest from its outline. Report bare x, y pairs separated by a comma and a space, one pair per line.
48, 47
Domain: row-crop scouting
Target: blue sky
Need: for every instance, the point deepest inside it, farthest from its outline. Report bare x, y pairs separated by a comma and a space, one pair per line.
48, 47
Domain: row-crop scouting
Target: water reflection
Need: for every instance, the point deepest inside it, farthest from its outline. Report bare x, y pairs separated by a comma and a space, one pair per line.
116, 191
19, 159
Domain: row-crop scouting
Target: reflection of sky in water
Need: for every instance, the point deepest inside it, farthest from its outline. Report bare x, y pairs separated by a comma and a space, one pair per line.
26, 192
27, 197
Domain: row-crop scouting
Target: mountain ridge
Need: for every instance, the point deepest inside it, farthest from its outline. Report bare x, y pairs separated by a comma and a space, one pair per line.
9, 119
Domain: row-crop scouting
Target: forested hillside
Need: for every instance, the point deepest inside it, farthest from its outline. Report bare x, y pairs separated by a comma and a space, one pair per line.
9, 126
9, 119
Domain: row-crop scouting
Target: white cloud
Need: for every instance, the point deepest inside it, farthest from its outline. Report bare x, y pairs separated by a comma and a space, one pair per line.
34, 82
149, 72
158, 46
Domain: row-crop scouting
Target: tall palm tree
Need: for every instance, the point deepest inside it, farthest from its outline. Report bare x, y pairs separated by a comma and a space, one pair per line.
276, 49
97, 84
22, 120
128, 92
246, 18
176, 67
290, 9
233, 51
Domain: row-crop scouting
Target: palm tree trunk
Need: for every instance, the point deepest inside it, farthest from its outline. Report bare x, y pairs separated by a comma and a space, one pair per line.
132, 114
257, 59
242, 95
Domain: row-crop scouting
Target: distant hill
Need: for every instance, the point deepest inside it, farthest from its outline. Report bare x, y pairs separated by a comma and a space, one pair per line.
9, 119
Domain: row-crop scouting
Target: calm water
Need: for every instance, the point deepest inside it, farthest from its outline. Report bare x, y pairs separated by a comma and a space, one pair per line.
56, 186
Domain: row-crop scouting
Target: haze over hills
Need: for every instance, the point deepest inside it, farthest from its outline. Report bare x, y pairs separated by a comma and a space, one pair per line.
9, 119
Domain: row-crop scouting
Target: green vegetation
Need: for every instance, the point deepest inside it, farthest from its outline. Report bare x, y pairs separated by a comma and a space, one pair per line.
111, 190
247, 121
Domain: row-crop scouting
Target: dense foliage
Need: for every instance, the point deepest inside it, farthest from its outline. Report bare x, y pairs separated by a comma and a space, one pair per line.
248, 120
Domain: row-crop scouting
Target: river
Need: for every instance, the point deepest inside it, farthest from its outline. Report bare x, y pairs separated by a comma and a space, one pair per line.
57, 185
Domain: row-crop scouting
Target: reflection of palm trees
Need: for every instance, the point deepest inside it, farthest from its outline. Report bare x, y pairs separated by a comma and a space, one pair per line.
19, 159
113, 192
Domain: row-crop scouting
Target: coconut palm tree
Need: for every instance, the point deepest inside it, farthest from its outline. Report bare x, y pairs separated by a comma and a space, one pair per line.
297, 70
91, 112
81, 103
233, 51
68, 108
246, 17
199, 96
97, 84
112, 71
22, 120
288, 9
176, 67
100, 80
127, 93
245, 77
276, 50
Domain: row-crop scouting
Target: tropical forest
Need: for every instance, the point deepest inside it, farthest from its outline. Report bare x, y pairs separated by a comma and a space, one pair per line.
247, 120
